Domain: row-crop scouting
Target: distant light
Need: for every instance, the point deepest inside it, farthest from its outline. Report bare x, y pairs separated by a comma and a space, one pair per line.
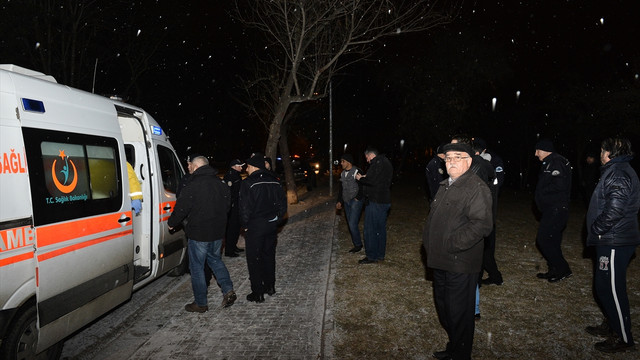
518, 95
493, 104
345, 145
139, 31
602, 21
37, 45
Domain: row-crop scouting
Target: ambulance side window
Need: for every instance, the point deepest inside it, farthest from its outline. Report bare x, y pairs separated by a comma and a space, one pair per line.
72, 175
169, 168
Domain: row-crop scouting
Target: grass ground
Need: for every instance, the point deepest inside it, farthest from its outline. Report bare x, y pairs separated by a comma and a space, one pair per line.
386, 310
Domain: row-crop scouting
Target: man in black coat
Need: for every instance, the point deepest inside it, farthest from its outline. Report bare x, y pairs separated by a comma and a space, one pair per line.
263, 204
376, 187
233, 179
204, 203
552, 197
459, 219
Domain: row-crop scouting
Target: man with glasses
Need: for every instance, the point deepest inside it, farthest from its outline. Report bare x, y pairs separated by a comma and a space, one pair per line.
459, 219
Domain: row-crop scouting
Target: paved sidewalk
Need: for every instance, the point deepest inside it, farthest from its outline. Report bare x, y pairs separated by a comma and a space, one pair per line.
288, 325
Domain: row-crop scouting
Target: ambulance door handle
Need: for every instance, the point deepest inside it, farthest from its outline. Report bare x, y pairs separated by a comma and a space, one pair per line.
141, 173
124, 220
167, 208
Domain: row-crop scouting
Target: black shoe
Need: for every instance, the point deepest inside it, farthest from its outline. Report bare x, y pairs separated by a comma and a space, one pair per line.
255, 297
176, 271
355, 249
233, 254
441, 355
556, 278
271, 291
489, 281
602, 330
238, 250
367, 261
613, 345
546, 275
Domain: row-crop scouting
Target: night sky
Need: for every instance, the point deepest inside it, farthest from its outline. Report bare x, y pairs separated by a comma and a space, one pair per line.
568, 70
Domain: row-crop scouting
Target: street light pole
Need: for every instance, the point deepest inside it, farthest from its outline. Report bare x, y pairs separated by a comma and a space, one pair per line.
330, 139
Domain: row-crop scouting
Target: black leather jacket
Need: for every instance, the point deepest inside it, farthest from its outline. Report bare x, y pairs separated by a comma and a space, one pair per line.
612, 218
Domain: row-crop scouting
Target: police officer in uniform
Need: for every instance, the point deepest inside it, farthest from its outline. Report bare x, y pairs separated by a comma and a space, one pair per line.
263, 204
552, 196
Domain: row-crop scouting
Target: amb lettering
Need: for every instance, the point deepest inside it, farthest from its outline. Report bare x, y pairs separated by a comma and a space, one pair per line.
13, 163
16, 238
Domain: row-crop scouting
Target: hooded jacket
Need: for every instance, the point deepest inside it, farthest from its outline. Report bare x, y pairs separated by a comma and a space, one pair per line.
203, 203
612, 218
459, 219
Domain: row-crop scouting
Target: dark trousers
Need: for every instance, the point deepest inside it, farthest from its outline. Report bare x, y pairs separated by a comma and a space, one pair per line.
261, 254
610, 283
549, 239
233, 230
455, 296
488, 256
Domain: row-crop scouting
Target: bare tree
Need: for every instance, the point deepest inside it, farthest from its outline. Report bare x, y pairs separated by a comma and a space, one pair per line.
307, 42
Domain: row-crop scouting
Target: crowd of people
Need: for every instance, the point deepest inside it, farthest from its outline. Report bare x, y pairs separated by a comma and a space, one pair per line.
463, 182
459, 238
213, 212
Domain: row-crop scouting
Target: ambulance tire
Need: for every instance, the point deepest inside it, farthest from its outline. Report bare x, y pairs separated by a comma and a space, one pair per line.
22, 339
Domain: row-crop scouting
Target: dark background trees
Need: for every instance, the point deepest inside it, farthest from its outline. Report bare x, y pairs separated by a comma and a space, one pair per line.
575, 66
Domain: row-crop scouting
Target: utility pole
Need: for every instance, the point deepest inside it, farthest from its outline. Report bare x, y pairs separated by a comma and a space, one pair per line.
330, 140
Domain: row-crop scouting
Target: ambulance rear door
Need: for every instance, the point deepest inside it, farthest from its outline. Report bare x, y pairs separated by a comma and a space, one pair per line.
156, 250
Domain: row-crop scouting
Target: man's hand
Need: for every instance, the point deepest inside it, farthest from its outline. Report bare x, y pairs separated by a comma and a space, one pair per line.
338, 206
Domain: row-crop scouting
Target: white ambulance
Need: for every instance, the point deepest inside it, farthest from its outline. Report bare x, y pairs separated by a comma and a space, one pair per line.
71, 248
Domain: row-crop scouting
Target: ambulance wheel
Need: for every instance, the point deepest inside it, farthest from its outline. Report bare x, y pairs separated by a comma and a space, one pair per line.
22, 340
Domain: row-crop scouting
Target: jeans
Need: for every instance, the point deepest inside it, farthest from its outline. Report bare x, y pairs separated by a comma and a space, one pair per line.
375, 230
207, 252
352, 211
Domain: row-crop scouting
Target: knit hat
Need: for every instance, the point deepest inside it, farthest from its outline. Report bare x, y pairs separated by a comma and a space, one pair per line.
480, 143
257, 160
347, 158
235, 162
545, 145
